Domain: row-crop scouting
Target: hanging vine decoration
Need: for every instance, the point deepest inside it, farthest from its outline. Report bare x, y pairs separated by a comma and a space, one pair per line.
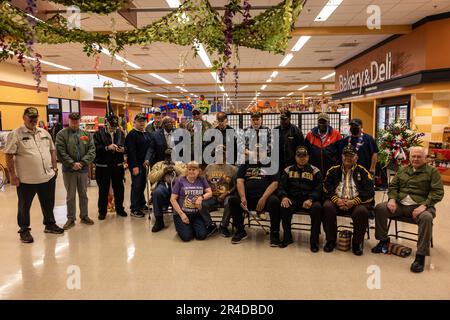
125, 81
34, 60
247, 16
182, 63
97, 63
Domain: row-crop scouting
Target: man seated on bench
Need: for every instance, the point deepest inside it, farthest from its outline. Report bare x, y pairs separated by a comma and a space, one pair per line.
257, 191
349, 191
162, 178
221, 178
413, 193
300, 190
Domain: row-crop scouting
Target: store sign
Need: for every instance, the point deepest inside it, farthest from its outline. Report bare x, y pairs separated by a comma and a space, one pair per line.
376, 72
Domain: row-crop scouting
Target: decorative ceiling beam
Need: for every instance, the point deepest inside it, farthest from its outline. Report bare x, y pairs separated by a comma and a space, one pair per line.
205, 70
300, 83
350, 30
181, 94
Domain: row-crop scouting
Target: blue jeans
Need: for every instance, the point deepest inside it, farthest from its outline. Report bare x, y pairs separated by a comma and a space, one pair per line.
161, 199
196, 228
138, 184
208, 204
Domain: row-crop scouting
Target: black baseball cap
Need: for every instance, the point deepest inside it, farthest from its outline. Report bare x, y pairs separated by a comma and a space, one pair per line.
356, 121
285, 114
140, 116
113, 121
196, 111
301, 151
74, 116
256, 114
349, 149
32, 112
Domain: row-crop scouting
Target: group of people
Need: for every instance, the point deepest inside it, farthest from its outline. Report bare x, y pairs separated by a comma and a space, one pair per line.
322, 174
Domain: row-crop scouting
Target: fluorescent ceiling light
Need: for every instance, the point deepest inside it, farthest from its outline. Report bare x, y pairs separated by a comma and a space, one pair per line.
191, 94
328, 92
286, 59
222, 88
328, 10
140, 89
290, 94
117, 57
269, 80
303, 88
274, 75
181, 88
300, 43
264, 86
42, 61
176, 99
203, 55
162, 95
282, 98
173, 3
215, 77
258, 93
157, 76
328, 76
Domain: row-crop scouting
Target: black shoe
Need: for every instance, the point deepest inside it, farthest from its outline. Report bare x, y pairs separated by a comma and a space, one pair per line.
159, 224
101, 217
419, 263
145, 208
357, 249
225, 232
274, 239
211, 230
25, 236
382, 245
314, 247
238, 237
329, 246
53, 228
137, 214
285, 243
121, 213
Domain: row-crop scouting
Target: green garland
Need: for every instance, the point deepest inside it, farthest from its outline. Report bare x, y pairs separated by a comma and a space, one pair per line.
99, 7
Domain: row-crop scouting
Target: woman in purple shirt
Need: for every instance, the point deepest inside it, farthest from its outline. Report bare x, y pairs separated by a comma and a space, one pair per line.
187, 196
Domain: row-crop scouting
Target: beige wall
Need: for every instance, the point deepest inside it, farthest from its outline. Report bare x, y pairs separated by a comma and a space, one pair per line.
57, 90
14, 73
366, 112
431, 114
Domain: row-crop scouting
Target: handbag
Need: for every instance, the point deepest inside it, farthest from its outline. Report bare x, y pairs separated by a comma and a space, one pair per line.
344, 240
399, 250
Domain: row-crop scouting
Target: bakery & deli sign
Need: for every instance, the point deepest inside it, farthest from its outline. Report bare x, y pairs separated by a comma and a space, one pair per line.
374, 73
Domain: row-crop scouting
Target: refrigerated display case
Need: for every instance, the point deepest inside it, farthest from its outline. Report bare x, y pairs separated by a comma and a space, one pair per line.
387, 114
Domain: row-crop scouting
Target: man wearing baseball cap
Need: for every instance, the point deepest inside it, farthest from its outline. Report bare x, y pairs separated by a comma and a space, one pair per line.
156, 123
321, 142
290, 139
300, 189
254, 133
31, 161
75, 149
349, 192
197, 123
138, 143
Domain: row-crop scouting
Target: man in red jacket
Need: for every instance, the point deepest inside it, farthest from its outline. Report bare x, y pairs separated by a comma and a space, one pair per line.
321, 142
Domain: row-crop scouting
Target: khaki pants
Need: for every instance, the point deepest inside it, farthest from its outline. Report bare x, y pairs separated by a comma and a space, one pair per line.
74, 181
424, 221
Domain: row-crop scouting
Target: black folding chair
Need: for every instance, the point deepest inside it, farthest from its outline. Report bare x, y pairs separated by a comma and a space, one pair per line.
408, 220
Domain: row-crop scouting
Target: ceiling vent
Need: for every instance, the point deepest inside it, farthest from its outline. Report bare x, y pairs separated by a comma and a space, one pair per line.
349, 44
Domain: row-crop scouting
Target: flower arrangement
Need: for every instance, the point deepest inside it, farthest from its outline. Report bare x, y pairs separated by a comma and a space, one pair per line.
394, 143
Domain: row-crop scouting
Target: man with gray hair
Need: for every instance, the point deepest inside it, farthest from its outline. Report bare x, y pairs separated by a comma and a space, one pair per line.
413, 193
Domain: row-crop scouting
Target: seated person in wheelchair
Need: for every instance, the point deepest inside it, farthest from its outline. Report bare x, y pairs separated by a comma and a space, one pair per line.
348, 191
187, 197
256, 186
221, 177
301, 190
413, 193
162, 178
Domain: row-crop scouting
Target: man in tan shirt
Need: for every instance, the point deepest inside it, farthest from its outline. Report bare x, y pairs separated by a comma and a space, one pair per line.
31, 160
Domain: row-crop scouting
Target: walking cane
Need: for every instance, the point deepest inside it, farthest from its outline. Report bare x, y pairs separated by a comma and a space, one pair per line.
149, 199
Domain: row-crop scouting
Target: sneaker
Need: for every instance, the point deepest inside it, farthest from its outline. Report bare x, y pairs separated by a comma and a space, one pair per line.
138, 214
53, 228
238, 237
274, 239
69, 224
25, 236
122, 213
87, 221
329, 246
379, 247
225, 232
211, 230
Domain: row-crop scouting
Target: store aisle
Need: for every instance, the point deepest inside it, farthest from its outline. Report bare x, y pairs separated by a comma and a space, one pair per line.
120, 258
